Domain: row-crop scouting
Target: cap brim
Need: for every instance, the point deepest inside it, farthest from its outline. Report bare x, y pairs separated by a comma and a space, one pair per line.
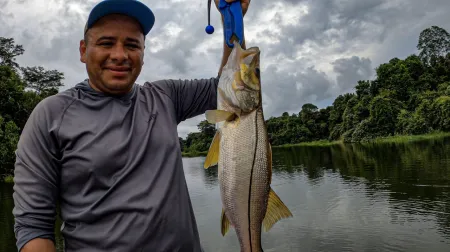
135, 9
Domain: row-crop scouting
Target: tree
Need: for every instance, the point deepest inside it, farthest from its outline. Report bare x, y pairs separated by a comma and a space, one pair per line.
11, 94
362, 88
9, 136
433, 42
41, 80
207, 128
16, 102
394, 78
9, 51
308, 112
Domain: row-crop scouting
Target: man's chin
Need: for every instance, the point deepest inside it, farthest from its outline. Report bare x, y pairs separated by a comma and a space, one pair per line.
118, 86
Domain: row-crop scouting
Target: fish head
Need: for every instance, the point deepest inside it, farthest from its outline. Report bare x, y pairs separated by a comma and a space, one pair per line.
241, 84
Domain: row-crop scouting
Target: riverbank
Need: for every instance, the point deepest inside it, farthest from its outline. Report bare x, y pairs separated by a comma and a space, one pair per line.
313, 144
194, 154
322, 143
410, 138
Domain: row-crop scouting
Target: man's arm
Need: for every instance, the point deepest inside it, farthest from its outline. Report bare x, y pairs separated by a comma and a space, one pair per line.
190, 97
36, 180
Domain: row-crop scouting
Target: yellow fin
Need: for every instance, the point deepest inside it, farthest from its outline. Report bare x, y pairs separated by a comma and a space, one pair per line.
276, 210
224, 223
215, 116
212, 157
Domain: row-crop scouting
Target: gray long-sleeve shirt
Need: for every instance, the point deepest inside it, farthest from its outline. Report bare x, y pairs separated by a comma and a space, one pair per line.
115, 165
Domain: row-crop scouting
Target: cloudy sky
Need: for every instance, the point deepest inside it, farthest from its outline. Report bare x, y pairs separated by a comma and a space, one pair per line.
312, 51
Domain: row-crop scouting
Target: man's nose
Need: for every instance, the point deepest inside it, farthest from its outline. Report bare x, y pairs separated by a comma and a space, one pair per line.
119, 53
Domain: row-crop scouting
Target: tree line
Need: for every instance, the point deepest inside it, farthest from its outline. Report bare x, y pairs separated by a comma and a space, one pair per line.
408, 96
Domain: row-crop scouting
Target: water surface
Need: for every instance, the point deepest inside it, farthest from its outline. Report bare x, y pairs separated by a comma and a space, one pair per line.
379, 197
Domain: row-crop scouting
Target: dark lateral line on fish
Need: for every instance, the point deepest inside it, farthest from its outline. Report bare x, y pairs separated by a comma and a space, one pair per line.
251, 178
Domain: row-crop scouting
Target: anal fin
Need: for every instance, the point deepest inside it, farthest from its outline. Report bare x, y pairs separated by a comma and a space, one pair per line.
224, 223
212, 158
276, 210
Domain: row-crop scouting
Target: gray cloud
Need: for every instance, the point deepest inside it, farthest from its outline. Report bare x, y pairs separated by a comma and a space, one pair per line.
286, 91
311, 50
350, 70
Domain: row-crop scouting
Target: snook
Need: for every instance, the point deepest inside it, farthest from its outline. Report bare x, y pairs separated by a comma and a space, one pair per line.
242, 151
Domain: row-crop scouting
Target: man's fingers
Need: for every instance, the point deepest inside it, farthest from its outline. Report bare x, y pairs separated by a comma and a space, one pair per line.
244, 4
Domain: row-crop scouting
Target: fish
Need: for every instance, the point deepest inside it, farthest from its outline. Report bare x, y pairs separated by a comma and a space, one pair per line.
242, 152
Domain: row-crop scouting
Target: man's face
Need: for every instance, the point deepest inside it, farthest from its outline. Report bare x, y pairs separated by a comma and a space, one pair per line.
113, 53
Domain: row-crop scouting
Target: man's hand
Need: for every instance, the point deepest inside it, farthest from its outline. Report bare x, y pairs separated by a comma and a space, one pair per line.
226, 49
244, 4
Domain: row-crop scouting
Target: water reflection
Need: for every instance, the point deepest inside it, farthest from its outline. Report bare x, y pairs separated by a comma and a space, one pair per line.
371, 197
211, 176
415, 176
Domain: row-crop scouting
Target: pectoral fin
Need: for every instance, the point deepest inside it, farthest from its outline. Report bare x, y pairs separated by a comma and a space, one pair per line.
276, 210
215, 116
224, 223
212, 158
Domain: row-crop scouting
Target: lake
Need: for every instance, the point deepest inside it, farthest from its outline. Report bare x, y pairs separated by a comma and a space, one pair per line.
374, 197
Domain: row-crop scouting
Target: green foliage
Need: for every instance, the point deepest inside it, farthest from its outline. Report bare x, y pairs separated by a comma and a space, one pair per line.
9, 136
442, 112
198, 142
18, 97
383, 114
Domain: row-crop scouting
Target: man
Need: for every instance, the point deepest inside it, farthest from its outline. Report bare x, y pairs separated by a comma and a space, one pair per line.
107, 150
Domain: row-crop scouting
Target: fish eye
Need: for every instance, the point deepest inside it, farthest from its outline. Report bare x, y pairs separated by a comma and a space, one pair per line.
257, 72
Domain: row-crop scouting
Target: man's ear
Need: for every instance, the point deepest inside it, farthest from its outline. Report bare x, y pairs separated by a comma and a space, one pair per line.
83, 51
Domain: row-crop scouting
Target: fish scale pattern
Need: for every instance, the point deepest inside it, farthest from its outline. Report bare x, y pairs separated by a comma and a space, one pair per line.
244, 176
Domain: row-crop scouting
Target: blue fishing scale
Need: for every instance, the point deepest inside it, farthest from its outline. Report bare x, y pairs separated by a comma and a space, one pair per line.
233, 21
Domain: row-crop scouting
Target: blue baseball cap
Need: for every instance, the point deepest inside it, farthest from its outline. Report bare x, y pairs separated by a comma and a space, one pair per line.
132, 8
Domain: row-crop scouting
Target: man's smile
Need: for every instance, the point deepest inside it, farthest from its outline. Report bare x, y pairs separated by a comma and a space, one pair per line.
119, 70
